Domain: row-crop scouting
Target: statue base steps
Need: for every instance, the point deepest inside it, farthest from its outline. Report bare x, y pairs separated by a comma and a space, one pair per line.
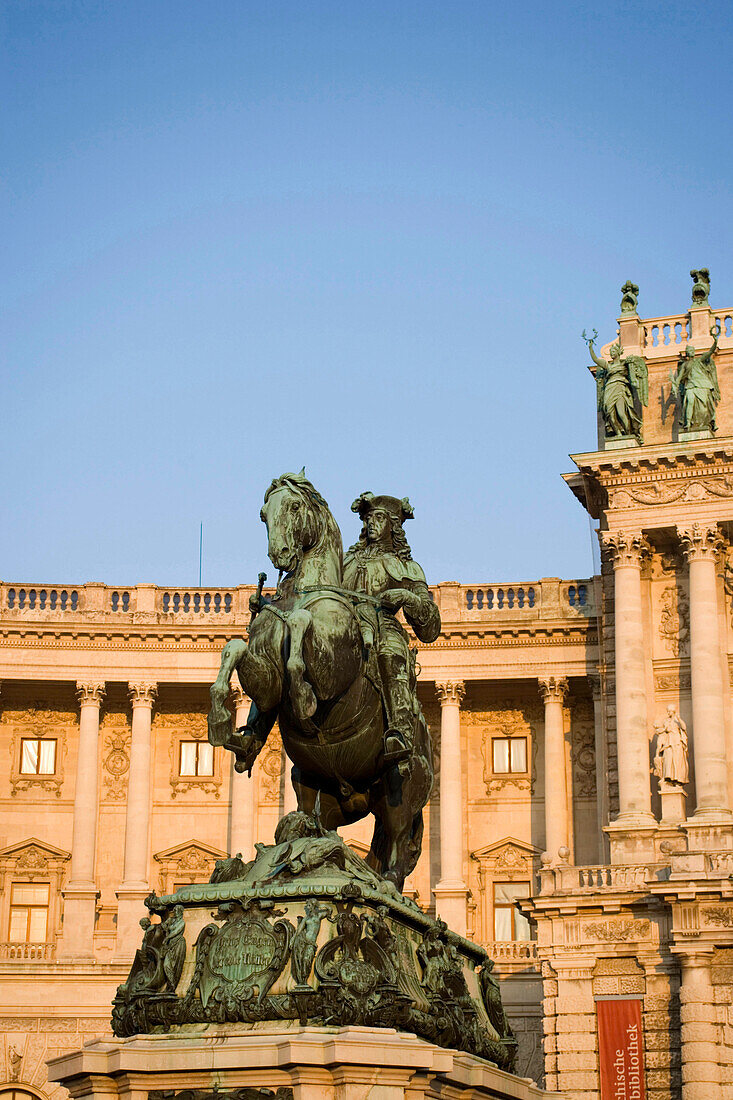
199, 1062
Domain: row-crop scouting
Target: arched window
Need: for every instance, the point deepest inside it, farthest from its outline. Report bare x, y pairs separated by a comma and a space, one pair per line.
17, 1094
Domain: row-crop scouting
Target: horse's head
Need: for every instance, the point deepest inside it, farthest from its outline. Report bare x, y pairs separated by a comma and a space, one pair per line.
297, 519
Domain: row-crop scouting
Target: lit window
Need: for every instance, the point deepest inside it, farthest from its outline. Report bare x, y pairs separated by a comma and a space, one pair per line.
28, 912
509, 924
509, 754
197, 758
37, 756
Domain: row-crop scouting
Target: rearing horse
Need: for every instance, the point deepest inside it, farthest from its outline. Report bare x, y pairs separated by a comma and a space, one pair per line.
306, 666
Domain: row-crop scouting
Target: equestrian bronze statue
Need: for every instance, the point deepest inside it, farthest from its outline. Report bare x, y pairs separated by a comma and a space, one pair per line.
327, 659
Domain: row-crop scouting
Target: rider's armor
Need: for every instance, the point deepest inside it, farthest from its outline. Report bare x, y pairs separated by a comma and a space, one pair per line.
375, 570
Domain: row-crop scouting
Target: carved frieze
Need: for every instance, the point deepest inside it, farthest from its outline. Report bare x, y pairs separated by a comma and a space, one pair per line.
719, 915
675, 492
618, 931
672, 681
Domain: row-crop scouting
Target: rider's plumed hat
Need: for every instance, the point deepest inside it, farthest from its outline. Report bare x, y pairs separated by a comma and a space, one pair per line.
400, 509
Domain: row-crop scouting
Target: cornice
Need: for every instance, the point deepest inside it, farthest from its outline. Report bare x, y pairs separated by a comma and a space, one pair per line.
669, 456
577, 632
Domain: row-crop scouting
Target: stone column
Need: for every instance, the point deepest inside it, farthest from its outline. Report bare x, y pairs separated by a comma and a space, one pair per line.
243, 801
451, 892
632, 726
135, 885
699, 1031
602, 810
557, 804
81, 893
702, 543
290, 798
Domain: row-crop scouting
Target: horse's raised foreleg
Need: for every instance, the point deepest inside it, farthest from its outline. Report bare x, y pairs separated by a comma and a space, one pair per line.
302, 695
220, 719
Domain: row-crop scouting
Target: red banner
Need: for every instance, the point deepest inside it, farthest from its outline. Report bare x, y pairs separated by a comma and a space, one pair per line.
620, 1049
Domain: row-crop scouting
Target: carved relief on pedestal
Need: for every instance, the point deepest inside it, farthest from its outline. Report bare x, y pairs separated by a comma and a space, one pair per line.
38, 722
583, 748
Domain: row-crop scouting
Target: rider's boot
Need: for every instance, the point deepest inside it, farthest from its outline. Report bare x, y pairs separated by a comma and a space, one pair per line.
398, 736
253, 736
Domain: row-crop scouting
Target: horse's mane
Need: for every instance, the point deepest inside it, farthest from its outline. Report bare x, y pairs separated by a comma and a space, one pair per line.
303, 488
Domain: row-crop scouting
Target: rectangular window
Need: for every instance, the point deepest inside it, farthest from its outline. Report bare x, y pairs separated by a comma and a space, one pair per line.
196, 758
37, 756
509, 754
28, 912
509, 924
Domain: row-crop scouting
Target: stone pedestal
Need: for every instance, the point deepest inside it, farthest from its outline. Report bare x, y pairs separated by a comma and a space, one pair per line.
295, 1063
673, 804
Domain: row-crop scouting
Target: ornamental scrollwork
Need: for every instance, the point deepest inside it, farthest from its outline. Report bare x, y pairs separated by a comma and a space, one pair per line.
674, 622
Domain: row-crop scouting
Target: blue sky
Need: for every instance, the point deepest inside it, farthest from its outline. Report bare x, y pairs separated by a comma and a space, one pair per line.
364, 237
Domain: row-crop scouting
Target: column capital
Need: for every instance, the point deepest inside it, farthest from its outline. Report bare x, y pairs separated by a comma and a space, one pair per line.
594, 679
701, 541
450, 691
625, 547
90, 691
553, 688
143, 693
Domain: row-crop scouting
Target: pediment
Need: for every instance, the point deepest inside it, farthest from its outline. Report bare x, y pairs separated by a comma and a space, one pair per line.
32, 853
498, 846
191, 855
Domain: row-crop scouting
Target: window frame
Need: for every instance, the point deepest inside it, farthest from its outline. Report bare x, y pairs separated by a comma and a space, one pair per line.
508, 738
12, 907
512, 908
198, 743
37, 741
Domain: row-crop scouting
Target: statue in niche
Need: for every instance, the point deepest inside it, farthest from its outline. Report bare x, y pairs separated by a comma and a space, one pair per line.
695, 387
671, 763
623, 387
630, 299
700, 286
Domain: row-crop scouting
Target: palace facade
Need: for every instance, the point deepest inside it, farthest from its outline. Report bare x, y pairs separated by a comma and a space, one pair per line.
548, 839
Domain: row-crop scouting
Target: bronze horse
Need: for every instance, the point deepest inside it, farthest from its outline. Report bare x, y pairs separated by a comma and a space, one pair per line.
306, 666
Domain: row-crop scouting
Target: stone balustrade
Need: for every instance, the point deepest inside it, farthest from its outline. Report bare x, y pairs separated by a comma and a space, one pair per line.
593, 879
33, 951
667, 335
512, 951
549, 598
